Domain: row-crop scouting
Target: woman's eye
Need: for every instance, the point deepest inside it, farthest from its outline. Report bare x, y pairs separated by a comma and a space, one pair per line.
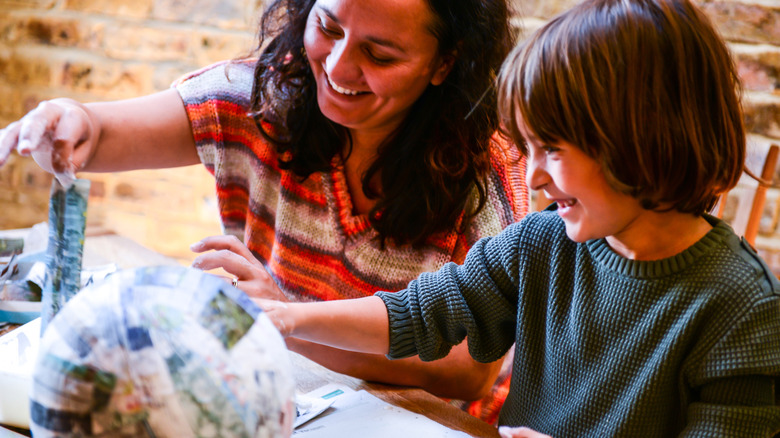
328, 31
381, 60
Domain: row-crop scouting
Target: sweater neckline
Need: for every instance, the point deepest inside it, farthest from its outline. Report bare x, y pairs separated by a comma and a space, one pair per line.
350, 223
603, 254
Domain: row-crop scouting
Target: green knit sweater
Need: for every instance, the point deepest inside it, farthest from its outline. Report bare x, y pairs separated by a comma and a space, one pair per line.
607, 346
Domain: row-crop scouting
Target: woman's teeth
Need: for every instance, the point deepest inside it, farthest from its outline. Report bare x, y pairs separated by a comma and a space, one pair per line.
341, 90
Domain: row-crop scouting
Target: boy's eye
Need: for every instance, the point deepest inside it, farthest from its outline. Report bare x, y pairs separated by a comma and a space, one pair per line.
549, 148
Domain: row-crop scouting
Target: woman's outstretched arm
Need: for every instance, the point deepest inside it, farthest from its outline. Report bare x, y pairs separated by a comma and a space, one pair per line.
65, 136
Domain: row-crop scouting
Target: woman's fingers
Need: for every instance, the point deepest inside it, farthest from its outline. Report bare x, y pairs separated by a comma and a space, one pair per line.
35, 124
72, 131
227, 260
231, 255
9, 138
51, 133
224, 242
37, 138
228, 253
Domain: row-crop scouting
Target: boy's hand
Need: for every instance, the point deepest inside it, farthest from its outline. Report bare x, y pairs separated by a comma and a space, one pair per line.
277, 313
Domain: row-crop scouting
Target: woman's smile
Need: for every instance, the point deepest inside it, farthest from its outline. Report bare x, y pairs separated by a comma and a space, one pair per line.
344, 90
372, 60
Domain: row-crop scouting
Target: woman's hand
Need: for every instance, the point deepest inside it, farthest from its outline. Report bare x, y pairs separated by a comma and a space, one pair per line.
520, 432
60, 135
230, 254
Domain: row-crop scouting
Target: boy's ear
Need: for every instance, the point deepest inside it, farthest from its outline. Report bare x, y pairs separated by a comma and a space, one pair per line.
445, 66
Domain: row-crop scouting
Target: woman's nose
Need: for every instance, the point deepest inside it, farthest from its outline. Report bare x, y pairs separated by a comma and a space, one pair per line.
341, 65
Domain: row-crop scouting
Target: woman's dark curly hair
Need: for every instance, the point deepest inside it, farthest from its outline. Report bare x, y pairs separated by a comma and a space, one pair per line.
437, 157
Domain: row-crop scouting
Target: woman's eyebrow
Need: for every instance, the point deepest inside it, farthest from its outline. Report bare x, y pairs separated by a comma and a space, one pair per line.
373, 39
330, 14
386, 43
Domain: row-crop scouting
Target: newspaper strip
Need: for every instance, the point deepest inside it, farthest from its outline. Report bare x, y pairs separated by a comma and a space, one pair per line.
67, 222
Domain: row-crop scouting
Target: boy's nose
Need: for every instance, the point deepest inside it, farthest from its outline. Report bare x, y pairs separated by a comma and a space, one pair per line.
535, 177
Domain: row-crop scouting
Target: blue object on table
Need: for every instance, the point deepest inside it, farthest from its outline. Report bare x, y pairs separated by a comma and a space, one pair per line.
21, 284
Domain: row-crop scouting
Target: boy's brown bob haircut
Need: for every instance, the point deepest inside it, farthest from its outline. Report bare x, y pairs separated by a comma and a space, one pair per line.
645, 87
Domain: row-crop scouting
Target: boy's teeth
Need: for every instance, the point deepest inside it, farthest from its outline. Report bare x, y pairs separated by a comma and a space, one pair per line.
342, 90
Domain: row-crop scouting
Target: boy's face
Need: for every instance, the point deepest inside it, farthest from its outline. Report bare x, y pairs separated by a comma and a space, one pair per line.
588, 205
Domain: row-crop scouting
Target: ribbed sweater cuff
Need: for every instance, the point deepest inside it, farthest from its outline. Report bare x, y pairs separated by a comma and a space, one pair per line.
400, 316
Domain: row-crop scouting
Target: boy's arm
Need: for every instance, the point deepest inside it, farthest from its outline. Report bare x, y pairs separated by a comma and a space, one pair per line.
476, 300
434, 314
357, 325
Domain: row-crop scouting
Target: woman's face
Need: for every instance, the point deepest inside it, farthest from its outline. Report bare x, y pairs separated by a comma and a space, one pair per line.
372, 60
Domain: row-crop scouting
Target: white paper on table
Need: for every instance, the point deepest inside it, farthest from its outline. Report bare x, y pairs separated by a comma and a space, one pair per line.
314, 403
308, 408
360, 414
18, 352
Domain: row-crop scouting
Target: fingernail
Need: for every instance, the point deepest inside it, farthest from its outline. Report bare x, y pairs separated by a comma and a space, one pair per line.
195, 246
25, 146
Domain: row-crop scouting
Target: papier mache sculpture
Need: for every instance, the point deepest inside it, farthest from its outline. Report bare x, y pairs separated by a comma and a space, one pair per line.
162, 352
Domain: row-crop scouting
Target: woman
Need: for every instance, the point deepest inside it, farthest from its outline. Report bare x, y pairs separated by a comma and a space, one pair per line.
356, 152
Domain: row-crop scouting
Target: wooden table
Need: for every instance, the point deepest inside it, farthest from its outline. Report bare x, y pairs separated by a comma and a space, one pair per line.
103, 248
309, 376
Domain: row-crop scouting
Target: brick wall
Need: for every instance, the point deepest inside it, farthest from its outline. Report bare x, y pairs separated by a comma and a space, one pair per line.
95, 50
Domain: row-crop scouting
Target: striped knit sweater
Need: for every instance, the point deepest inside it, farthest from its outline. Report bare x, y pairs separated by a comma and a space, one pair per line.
606, 346
304, 232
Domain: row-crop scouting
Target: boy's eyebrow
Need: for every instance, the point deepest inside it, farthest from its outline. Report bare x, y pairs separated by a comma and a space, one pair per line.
373, 39
529, 136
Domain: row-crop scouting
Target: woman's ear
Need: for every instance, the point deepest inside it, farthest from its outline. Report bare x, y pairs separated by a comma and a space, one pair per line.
445, 66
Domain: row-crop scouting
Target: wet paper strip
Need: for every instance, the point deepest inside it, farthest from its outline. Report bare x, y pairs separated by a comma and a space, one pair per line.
67, 222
